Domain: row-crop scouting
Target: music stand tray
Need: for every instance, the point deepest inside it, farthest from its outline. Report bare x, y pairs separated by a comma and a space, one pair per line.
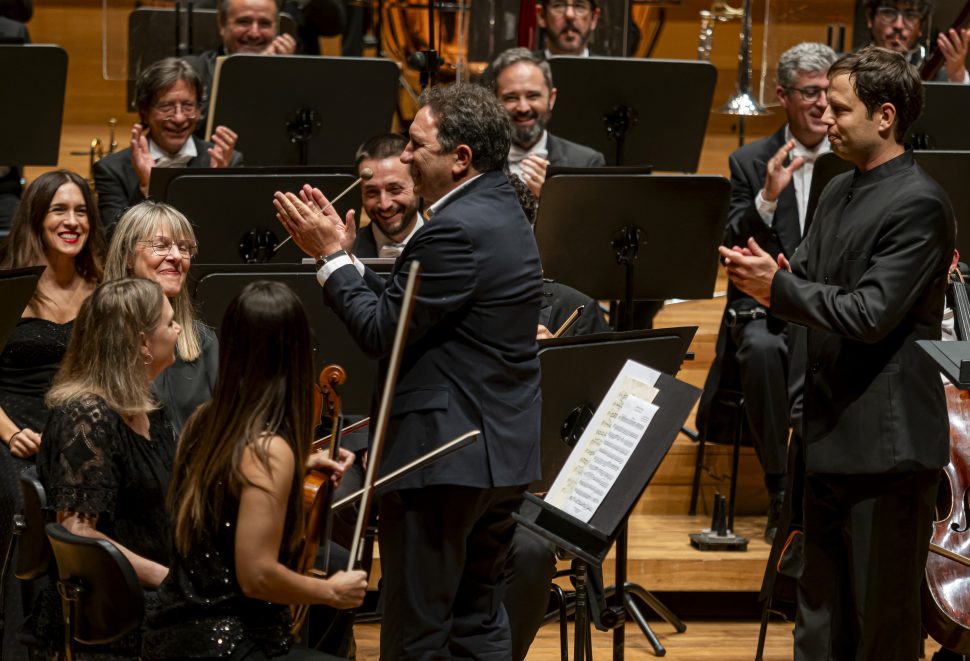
319, 112
234, 217
951, 358
30, 124
16, 288
600, 98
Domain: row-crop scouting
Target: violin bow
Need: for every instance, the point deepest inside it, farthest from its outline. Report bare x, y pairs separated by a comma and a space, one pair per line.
383, 413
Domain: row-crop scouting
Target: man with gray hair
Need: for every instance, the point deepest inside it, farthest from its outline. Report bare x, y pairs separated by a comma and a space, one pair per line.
471, 362
167, 95
770, 184
522, 81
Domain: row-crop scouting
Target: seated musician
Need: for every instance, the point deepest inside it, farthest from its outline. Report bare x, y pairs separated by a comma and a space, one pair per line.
770, 183
898, 25
167, 95
237, 495
155, 241
246, 27
108, 448
523, 85
567, 26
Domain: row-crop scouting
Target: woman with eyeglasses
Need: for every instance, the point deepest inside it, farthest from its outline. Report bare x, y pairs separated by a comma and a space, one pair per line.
56, 225
155, 241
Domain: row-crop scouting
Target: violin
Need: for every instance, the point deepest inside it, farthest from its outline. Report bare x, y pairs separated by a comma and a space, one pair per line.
946, 588
317, 485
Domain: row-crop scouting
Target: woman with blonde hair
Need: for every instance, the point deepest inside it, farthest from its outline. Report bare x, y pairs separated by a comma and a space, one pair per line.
55, 225
108, 450
155, 241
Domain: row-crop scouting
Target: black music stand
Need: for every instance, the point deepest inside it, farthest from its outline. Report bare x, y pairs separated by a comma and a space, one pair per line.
155, 33
214, 285
314, 110
611, 105
951, 358
30, 125
16, 288
943, 122
233, 214
590, 541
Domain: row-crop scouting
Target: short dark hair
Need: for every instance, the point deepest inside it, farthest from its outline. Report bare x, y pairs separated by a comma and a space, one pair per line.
515, 55
158, 77
385, 145
924, 7
468, 114
880, 76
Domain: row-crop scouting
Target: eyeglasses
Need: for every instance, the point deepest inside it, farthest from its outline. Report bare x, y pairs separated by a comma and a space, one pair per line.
162, 245
169, 108
810, 93
580, 9
886, 14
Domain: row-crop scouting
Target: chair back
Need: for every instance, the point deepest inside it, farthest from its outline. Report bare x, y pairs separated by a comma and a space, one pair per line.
34, 550
110, 602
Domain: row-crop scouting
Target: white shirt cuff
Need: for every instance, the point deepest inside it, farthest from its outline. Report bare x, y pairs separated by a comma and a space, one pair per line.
765, 208
327, 269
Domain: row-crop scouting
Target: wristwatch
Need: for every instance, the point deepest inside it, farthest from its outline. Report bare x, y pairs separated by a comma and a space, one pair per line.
322, 261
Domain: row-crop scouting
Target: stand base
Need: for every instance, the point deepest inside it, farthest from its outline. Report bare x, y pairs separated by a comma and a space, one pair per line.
634, 597
709, 540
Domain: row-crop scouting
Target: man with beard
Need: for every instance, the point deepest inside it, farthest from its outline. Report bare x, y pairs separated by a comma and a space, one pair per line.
167, 96
898, 25
567, 26
523, 84
387, 197
770, 183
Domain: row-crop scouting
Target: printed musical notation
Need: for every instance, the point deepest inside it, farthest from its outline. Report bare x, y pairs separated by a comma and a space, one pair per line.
607, 443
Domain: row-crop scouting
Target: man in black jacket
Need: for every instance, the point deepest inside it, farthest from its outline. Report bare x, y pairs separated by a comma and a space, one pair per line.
867, 282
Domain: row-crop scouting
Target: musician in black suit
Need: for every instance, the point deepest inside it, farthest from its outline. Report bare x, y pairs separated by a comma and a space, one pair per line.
868, 281
898, 25
770, 183
167, 96
387, 197
470, 363
522, 81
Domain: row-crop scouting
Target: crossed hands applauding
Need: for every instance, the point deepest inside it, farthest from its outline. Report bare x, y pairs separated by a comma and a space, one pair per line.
751, 269
315, 226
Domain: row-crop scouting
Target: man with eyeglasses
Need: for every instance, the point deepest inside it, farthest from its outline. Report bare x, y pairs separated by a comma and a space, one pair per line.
770, 183
898, 25
567, 25
167, 96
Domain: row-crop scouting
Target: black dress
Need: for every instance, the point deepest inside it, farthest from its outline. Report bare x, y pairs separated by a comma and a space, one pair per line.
182, 387
91, 462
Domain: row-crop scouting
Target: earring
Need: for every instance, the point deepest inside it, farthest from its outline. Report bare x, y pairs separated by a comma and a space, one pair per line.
149, 359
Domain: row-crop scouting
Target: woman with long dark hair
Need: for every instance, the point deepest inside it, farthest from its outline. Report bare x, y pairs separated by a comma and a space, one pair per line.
236, 495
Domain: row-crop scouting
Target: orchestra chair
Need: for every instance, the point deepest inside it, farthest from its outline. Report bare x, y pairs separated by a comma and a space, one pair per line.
100, 592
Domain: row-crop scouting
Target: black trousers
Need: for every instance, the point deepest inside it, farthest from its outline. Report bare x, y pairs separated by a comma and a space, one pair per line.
442, 553
866, 539
762, 355
529, 570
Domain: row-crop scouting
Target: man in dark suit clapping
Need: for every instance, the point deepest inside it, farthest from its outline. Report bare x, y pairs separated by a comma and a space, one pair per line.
867, 282
471, 363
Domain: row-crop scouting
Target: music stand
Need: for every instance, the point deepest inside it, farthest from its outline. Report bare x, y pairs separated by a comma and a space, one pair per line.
234, 217
155, 33
299, 118
942, 124
827, 167
213, 286
16, 288
589, 541
600, 106
30, 125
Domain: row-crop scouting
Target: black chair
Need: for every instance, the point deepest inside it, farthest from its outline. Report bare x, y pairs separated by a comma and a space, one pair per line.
34, 555
102, 598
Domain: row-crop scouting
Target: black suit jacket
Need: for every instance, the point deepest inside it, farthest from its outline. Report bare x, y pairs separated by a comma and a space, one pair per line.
13, 30
117, 184
563, 153
869, 280
471, 360
366, 244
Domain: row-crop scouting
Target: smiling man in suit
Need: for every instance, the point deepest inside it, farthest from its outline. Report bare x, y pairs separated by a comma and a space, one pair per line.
867, 282
471, 363
770, 183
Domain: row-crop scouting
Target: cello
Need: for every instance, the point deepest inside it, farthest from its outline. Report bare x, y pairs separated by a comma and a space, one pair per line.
946, 588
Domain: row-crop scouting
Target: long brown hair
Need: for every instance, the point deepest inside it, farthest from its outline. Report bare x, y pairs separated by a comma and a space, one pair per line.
139, 223
104, 353
264, 390
25, 244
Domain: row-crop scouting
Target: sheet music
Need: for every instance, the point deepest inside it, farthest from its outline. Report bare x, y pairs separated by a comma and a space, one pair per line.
607, 443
